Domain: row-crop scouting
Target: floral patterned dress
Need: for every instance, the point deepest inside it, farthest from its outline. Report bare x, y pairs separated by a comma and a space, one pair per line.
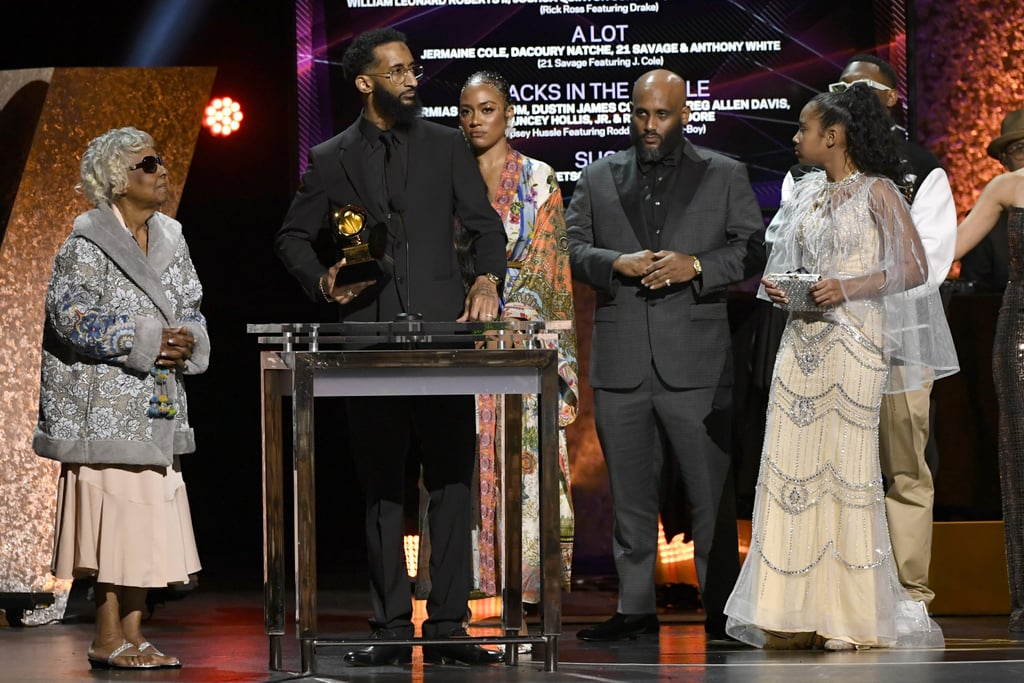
538, 286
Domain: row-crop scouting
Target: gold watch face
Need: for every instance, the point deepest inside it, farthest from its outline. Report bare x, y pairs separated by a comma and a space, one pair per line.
696, 265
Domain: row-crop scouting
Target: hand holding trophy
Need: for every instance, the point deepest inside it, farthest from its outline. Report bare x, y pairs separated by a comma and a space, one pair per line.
360, 246
358, 250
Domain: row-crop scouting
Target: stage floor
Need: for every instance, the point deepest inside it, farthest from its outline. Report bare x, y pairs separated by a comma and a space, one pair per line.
218, 634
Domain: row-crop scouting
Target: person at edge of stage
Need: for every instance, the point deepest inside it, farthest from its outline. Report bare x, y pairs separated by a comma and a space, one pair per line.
660, 230
414, 177
1003, 200
122, 329
986, 266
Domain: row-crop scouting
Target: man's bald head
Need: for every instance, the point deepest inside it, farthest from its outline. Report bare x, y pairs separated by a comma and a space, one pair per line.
663, 80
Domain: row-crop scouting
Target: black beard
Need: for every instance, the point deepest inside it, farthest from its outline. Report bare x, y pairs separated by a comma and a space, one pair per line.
391, 107
648, 154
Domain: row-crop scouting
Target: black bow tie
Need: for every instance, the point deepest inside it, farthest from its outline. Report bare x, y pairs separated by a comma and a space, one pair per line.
648, 166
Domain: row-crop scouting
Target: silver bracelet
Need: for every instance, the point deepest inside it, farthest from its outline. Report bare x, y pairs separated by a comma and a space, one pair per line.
323, 291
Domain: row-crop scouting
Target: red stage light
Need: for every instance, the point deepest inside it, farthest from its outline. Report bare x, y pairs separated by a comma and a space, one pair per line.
223, 116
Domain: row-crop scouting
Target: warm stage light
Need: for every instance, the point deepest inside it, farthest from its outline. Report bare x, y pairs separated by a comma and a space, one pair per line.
675, 558
670, 552
223, 116
412, 555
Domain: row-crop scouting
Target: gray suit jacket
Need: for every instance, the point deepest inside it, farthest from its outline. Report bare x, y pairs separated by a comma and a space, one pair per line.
682, 329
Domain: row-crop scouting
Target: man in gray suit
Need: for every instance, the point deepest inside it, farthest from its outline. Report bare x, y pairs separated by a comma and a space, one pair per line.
660, 230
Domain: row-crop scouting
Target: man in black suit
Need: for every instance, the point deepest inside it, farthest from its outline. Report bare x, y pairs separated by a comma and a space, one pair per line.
660, 230
414, 177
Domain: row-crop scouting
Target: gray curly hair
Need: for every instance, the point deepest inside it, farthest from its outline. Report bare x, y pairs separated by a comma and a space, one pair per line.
105, 163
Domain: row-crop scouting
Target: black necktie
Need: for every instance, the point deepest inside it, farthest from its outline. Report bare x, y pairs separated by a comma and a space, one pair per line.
394, 178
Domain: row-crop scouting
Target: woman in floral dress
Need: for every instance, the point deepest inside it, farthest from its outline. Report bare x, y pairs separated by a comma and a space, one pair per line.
537, 286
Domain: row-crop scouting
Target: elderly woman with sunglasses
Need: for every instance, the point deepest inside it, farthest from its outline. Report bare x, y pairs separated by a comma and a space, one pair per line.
122, 328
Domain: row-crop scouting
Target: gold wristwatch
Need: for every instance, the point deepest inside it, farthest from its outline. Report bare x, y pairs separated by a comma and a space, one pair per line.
495, 280
696, 266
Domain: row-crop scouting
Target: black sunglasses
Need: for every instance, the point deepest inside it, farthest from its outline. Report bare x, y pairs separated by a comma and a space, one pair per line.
148, 164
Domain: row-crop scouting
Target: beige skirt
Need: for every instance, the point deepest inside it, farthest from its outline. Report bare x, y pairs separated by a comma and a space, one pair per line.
128, 526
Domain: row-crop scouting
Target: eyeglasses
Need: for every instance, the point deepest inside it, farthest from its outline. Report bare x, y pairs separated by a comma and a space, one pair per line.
397, 74
148, 164
843, 85
1016, 152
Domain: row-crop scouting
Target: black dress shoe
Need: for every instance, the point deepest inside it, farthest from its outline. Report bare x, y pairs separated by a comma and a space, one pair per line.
381, 655
714, 625
460, 653
621, 627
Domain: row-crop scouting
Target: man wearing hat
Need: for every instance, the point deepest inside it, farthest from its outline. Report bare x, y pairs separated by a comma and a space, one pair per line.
987, 265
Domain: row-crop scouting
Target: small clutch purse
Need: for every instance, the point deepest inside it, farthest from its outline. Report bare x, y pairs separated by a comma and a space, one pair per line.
797, 287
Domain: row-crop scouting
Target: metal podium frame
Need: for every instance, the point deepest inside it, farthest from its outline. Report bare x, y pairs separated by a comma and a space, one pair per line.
307, 374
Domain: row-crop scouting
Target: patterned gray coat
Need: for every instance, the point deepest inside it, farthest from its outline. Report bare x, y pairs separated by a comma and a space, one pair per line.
106, 307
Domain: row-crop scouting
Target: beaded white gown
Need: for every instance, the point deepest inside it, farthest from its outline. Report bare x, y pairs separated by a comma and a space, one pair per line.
820, 560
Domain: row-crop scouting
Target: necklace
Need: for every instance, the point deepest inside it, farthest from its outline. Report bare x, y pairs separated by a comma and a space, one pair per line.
829, 188
848, 180
821, 199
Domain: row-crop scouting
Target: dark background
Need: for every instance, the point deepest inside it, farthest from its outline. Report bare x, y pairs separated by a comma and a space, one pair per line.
817, 38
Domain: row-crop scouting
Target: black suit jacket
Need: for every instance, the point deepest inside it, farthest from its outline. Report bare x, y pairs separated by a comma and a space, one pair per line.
987, 265
442, 180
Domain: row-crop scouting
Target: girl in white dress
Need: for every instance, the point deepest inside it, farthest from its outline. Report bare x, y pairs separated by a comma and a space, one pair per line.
820, 571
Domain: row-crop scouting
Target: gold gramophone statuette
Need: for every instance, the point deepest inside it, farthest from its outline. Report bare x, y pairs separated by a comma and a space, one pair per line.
348, 223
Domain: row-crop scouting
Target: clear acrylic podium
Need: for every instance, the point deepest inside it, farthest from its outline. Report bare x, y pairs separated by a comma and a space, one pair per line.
310, 360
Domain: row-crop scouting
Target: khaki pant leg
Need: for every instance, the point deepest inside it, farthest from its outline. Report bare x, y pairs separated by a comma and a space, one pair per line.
903, 435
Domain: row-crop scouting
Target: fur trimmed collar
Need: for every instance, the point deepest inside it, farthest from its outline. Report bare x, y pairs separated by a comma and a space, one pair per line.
101, 227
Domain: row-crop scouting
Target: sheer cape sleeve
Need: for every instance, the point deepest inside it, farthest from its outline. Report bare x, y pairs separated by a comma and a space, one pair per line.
859, 231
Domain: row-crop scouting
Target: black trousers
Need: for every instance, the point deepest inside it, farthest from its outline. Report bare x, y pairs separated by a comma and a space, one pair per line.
382, 432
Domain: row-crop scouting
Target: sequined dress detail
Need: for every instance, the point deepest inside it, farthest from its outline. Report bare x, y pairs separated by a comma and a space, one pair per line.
820, 560
1008, 374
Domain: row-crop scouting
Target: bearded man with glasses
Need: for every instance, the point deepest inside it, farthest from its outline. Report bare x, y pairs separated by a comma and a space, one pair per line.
412, 177
907, 453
